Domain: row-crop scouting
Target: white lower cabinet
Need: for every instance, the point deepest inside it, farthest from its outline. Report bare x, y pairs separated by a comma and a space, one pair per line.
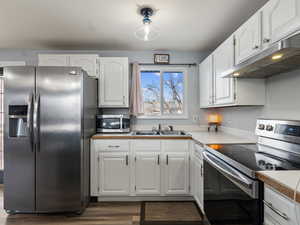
197, 176
154, 168
147, 173
176, 174
114, 174
278, 209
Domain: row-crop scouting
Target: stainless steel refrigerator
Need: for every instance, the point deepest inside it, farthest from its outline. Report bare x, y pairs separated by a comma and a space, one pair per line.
49, 119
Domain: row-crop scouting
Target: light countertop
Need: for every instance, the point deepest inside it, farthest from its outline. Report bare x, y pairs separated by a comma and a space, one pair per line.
203, 137
282, 181
208, 138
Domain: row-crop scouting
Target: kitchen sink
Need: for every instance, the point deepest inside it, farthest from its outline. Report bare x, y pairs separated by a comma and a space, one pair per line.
173, 133
146, 132
163, 133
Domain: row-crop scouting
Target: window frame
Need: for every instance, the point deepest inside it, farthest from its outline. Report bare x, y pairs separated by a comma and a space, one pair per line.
163, 69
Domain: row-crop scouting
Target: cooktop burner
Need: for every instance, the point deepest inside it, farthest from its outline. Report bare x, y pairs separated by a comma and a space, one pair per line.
250, 157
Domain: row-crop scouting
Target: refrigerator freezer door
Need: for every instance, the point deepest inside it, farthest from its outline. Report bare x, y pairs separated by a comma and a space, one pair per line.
19, 155
58, 133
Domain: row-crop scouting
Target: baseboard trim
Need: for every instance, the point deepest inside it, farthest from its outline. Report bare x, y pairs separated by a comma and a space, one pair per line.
143, 198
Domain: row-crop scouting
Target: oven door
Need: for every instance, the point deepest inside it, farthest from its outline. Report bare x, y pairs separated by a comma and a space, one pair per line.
230, 197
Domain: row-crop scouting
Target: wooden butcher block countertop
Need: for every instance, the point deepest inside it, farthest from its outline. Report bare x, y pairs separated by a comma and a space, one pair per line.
284, 182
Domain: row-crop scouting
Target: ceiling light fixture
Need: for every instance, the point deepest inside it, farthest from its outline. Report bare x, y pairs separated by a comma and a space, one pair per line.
236, 74
147, 32
276, 57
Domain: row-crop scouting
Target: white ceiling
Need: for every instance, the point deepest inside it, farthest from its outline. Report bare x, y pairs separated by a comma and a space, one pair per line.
188, 25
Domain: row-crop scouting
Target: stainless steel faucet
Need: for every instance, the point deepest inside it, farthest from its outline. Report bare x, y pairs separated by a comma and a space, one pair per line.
171, 128
159, 127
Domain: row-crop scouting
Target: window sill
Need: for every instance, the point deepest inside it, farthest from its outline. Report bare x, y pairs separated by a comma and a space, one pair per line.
184, 117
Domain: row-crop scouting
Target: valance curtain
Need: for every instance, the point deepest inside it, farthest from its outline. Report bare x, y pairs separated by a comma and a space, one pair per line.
136, 95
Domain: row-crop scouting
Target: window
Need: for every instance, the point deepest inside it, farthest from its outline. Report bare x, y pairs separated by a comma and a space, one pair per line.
163, 92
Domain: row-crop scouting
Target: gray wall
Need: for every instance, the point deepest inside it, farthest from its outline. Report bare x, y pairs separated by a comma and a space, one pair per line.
31, 58
282, 102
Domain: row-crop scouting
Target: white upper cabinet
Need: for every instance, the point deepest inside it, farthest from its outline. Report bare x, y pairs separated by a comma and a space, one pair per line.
114, 82
248, 39
280, 19
87, 62
53, 60
227, 91
223, 58
206, 82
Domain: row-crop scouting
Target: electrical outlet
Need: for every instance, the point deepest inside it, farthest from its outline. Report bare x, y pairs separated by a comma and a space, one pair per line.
195, 118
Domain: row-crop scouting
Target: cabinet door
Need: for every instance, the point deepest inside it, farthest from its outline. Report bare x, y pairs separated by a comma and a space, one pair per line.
206, 82
53, 60
248, 39
176, 174
114, 174
280, 19
113, 82
86, 62
223, 60
147, 174
199, 183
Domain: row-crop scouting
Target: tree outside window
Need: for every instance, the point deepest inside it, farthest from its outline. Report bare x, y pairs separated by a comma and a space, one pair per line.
163, 92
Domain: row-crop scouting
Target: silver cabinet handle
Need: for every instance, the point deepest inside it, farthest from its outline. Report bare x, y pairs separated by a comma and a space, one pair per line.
29, 120
36, 118
114, 146
201, 170
123, 99
167, 160
73, 72
126, 160
266, 40
158, 160
279, 213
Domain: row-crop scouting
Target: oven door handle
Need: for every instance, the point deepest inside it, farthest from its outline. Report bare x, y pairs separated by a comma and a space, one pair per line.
227, 170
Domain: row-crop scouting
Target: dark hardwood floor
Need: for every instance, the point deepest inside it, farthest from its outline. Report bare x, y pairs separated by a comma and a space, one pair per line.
96, 214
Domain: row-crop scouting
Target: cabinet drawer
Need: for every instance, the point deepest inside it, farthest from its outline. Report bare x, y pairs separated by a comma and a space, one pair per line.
278, 207
112, 145
175, 146
146, 145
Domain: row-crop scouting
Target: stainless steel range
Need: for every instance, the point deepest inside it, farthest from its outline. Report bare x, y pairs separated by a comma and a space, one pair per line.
232, 193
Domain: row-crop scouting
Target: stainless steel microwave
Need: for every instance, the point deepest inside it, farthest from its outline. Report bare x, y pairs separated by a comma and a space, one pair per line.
113, 123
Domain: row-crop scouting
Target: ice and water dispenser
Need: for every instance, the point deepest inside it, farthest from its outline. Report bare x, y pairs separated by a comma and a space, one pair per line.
18, 120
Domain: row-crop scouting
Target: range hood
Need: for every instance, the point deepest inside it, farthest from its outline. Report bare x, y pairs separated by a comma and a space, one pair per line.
280, 57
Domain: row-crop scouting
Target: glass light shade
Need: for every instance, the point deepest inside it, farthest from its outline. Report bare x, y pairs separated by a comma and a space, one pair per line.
215, 147
147, 32
214, 118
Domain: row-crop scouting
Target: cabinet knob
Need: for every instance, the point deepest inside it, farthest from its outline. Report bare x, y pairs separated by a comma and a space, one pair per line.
255, 47
266, 40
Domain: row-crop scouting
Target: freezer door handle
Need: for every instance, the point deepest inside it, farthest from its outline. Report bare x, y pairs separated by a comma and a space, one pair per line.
36, 121
29, 120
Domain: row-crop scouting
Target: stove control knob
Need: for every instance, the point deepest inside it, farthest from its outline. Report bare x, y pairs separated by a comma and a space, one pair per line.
261, 126
269, 128
270, 166
261, 162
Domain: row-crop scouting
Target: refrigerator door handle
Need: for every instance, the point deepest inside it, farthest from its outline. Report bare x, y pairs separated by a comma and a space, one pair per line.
36, 121
29, 120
